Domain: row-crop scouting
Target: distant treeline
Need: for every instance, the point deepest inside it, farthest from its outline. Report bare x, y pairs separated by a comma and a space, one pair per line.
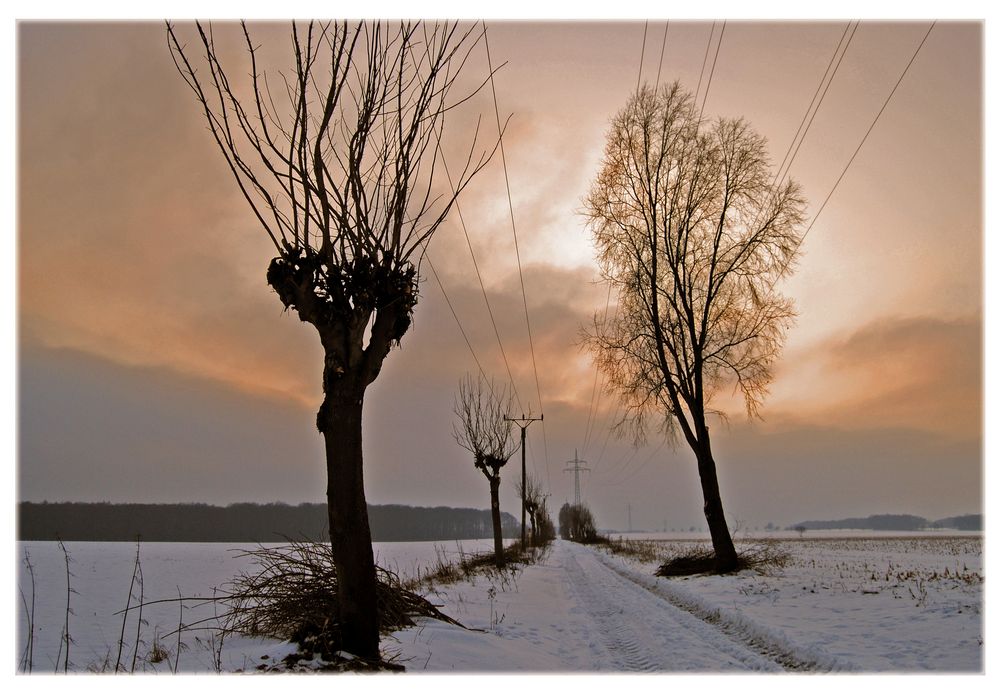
896, 523
243, 522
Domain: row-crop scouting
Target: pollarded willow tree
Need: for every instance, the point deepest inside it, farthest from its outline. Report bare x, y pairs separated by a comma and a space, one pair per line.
692, 230
482, 429
337, 159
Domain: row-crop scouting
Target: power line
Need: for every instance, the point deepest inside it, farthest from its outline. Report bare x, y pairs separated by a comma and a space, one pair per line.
623, 461
819, 87
704, 61
821, 98
482, 286
628, 457
807, 119
607, 435
455, 314
640, 467
642, 56
591, 415
517, 251
864, 138
663, 47
708, 86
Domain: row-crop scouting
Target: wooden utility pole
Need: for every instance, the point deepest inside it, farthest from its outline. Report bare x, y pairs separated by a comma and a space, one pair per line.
524, 423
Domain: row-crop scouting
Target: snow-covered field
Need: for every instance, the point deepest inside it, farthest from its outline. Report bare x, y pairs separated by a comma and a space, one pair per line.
854, 602
885, 602
101, 572
847, 603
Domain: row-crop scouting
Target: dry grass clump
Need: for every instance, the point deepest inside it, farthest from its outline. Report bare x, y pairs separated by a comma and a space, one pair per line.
294, 597
760, 556
465, 568
642, 550
692, 560
763, 556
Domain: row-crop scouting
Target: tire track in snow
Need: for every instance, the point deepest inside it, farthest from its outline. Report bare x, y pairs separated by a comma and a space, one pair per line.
643, 632
768, 643
624, 650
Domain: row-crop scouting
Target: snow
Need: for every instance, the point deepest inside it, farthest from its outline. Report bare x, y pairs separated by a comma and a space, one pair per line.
101, 572
586, 610
877, 603
851, 603
570, 613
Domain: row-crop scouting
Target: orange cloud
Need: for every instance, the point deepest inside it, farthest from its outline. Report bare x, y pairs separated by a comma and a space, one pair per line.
919, 373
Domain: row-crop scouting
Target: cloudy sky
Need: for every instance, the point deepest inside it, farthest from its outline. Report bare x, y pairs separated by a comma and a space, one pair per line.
155, 363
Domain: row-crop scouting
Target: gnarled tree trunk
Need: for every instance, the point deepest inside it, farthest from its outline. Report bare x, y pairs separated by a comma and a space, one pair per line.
339, 421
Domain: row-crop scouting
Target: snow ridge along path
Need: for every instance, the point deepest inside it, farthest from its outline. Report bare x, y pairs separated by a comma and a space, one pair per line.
582, 610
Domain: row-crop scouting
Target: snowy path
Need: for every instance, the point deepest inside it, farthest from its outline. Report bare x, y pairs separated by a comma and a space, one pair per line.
642, 630
577, 612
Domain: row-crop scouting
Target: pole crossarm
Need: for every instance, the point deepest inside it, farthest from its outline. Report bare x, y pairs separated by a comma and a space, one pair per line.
524, 423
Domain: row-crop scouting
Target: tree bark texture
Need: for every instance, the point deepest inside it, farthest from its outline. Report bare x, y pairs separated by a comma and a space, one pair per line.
722, 541
350, 534
497, 530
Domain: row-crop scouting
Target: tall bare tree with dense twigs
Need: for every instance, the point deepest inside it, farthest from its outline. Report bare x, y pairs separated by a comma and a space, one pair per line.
693, 231
338, 159
482, 429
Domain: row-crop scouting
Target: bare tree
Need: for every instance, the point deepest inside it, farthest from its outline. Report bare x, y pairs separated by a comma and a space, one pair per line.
692, 230
483, 430
531, 494
337, 159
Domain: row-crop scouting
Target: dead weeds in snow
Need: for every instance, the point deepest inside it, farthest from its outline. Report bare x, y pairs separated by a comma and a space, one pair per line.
292, 595
763, 556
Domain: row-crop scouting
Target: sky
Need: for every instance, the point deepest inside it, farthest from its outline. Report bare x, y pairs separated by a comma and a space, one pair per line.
155, 364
